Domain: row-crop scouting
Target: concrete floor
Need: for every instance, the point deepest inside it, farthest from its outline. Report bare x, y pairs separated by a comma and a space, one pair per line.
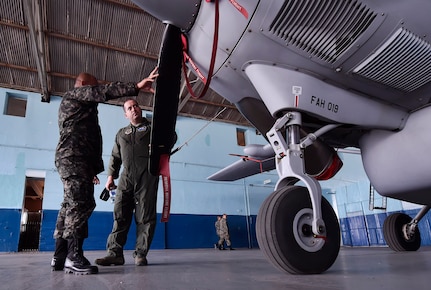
355, 268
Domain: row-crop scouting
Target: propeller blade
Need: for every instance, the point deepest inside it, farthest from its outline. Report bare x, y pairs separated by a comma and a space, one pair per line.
167, 90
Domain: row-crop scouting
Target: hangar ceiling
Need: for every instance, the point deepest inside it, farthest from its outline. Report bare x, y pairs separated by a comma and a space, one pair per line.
45, 44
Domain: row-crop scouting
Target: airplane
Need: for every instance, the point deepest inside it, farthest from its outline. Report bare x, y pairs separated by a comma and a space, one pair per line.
313, 77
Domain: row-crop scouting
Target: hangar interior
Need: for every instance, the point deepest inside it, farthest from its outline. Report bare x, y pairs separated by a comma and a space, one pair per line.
45, 44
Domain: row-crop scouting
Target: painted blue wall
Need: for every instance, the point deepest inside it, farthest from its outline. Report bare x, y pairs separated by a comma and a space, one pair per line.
27, 147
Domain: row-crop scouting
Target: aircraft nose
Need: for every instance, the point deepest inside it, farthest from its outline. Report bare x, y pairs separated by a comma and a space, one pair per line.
180, 13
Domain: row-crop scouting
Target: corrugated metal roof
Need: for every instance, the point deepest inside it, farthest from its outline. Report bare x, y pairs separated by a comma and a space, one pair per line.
45, 44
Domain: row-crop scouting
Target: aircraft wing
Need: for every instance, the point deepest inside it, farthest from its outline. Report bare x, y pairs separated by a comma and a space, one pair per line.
321, 161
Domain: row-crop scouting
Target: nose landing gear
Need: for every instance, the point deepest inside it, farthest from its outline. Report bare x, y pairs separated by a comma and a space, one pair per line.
283, 229
296, 227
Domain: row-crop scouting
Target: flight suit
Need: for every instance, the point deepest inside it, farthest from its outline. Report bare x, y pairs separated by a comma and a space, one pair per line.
136, 190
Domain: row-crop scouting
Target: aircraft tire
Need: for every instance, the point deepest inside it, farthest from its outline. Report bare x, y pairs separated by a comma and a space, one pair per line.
283, 230
393, 233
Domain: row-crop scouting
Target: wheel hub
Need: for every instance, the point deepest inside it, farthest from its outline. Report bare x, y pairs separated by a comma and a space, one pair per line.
307, 230
303, 233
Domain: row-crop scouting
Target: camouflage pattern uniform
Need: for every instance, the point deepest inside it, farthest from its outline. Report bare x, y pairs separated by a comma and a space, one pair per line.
78, 156
136, 190
217, 227
224, 233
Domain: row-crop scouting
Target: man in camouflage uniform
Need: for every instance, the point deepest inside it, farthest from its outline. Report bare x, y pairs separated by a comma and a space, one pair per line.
136, 191
224, 234
78, 159
217, 227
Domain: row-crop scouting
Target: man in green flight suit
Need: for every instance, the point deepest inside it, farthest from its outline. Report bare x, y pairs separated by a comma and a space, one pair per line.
137, 189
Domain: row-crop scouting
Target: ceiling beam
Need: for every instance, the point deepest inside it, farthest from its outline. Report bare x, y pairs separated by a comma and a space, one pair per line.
33, 14
102, 45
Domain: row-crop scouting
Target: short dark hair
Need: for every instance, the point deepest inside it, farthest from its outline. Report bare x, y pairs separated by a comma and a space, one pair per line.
129, 99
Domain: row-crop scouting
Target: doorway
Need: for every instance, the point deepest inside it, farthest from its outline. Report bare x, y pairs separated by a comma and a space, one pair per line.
31, 215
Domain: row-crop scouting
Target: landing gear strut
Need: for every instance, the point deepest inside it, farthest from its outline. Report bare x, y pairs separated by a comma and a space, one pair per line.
296, 228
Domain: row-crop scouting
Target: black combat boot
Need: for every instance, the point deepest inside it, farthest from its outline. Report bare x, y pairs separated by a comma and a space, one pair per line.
81, 251
75, 262
57, 262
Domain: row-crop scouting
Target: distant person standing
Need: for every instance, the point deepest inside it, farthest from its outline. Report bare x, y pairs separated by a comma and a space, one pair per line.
224, 234
217, 228
78, 159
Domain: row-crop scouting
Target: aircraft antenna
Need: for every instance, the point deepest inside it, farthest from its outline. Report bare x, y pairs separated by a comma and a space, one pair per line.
197, 132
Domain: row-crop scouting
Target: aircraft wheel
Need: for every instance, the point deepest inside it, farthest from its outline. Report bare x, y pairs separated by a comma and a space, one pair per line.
284, 232
393, 231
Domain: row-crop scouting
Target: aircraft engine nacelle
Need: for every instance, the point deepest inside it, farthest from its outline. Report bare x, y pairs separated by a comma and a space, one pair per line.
398, 164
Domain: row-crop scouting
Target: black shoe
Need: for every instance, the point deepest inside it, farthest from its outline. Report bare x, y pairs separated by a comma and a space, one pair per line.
75, 262
78, 266
86, 262
81, 252
57, 264
60, 253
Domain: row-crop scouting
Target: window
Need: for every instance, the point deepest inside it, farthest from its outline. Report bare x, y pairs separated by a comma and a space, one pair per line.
16, 105
240, 137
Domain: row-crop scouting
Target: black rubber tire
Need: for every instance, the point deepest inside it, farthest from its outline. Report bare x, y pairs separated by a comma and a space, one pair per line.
275, 232
393, 233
